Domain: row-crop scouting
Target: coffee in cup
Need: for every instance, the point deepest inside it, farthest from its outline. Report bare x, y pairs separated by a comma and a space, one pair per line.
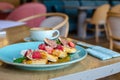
39, 34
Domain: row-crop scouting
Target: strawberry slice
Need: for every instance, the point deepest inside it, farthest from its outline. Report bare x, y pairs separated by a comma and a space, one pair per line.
59, 47
36, 55
42, 46
71, 44
49, 49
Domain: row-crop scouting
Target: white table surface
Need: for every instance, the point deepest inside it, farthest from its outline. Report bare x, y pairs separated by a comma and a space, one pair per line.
7, 24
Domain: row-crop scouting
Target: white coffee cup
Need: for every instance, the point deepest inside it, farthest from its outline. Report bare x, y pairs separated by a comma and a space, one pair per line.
39, 34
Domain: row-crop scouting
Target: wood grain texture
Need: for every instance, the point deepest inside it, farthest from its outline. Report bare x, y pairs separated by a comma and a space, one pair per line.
17, 34
105, 43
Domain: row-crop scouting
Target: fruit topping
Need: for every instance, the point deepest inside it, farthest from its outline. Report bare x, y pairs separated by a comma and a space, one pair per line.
28, 54
71, 44
63, 41
51, 43
42, 46
59, 47
36, 55
48, 52
49, 49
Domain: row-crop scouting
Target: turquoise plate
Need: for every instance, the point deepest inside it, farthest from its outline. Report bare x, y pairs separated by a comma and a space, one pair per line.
8, 53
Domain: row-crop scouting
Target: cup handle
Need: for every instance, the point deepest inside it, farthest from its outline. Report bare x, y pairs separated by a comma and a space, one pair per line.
58, 33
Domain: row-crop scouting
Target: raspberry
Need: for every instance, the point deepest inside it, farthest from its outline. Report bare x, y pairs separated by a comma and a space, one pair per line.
41, 46
71, 44
36, 55
59, 47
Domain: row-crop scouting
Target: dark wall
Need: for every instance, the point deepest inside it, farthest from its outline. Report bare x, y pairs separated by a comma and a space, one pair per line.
58, 6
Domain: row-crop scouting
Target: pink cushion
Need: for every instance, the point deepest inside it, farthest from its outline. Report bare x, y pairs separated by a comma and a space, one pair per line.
5, 6
27, 10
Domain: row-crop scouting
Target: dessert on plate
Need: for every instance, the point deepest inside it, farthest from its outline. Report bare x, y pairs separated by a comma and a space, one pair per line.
49, 52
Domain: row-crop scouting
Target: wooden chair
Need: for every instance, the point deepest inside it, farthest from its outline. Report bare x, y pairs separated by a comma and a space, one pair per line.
113, 25
54, 20
99, 18
115, 9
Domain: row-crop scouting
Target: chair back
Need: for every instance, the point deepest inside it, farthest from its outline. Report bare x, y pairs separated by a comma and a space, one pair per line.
54, 20
113, 22
115, 9
100, 15
27, 10
113, 25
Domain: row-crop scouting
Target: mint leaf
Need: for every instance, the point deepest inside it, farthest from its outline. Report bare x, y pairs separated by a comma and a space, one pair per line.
58, 41
19, 60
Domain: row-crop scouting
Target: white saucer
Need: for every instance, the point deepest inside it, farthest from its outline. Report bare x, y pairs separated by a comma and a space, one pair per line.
28, 39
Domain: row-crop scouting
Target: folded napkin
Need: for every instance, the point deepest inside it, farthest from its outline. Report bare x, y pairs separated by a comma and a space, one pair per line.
98, 54
99, 51
102, 53
7, 24
106, 51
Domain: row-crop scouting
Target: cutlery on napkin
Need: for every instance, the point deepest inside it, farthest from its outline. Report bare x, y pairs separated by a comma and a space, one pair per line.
99, 51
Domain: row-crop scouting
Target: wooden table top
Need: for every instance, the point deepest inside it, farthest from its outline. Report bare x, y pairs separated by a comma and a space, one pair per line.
8, 72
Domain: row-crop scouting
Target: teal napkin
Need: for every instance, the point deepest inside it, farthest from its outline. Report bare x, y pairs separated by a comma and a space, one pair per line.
99, 51
106, 51
102, 53
98, 54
